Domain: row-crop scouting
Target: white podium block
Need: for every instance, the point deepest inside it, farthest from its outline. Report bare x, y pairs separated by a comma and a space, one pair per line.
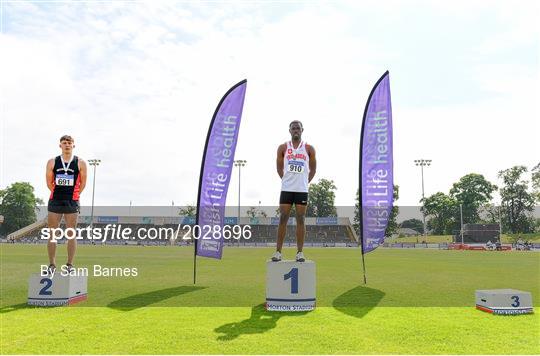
504, 301
56, 291
290, 286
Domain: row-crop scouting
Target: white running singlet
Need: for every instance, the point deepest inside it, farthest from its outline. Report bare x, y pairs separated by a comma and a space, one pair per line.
295, 169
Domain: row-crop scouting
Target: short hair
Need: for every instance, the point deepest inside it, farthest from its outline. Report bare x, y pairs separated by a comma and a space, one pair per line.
67, 138
296, 122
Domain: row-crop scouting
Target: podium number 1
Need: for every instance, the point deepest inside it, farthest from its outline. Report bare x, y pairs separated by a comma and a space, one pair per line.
293, 275
45, 290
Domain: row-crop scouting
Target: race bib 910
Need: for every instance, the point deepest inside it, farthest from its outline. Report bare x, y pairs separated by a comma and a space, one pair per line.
65, 180
296, 167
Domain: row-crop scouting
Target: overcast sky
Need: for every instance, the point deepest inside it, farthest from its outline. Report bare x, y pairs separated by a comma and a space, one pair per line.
136, 84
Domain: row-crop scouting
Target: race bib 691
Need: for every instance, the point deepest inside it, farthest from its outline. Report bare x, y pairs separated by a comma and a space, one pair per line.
66, 180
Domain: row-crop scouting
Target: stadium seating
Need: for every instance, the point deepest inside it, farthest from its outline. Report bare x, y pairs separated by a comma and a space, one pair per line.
337, 231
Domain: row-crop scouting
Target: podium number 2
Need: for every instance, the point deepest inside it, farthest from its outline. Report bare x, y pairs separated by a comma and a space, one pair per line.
293, 275
515, 298
45, 290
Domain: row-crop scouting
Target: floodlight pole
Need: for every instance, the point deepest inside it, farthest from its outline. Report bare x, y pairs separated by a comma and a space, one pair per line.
423, 163
461, 221
94, 163
500, 224
239, 163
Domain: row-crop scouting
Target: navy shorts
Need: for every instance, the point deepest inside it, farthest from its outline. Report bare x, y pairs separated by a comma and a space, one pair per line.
63, 206
298, 198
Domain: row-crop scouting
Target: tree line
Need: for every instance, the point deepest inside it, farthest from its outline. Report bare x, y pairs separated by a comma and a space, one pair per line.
474, 194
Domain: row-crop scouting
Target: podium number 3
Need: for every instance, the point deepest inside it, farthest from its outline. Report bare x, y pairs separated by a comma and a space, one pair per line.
45, 290
293, 276
515, 298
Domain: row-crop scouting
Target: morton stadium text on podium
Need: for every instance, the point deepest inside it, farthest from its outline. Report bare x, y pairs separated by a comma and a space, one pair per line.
290, 286
57, 290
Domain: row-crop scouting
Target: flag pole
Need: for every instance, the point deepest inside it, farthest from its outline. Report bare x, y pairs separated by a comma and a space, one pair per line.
360, 203
195, 263
363, 261
198, 209
361, 213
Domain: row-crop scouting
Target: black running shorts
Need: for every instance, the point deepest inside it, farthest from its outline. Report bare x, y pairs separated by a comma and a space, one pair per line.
63, 206
299, 198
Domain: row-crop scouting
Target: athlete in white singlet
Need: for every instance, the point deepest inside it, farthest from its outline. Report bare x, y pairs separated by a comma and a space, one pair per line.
296, 166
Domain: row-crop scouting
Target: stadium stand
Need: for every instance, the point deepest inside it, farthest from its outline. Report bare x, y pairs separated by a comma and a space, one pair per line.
319, 231
30, 230
323, 232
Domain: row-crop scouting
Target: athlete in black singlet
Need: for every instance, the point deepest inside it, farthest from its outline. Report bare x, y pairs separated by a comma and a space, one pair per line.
66, 179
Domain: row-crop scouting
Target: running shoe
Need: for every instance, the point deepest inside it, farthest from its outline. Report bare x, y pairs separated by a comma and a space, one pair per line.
276, 257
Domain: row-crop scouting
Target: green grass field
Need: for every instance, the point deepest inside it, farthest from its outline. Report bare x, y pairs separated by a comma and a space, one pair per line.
415, 302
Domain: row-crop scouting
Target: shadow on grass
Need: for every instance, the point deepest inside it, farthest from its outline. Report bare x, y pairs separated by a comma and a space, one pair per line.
146, 299
10, 308
358, 301
259, 322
